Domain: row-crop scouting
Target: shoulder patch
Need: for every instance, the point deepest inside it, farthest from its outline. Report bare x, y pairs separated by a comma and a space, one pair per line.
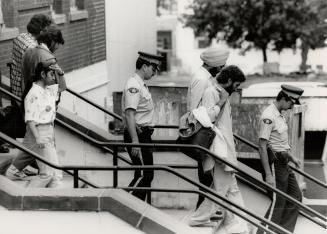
133, 90
267, 121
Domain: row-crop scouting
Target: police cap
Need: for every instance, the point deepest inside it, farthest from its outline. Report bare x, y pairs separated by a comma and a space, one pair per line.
294, 93
154, 60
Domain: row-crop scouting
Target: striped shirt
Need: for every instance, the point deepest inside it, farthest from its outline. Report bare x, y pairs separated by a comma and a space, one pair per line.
20, 45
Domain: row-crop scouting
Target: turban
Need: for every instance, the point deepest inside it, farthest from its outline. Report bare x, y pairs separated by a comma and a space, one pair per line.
214, 56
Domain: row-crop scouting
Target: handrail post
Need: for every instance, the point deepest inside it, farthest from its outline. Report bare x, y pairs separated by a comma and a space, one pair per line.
115, 164
75, 178
148, 197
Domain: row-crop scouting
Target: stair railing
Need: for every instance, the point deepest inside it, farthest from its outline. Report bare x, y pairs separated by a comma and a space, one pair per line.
243, 173
206, 192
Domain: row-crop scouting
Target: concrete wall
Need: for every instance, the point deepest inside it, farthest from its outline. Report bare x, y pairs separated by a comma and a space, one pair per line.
93, 86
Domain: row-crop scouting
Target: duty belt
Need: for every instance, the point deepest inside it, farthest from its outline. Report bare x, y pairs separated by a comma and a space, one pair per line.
280, 157
146, 129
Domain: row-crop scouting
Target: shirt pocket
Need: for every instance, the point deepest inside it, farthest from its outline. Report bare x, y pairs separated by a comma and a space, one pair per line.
148, 100
281, 127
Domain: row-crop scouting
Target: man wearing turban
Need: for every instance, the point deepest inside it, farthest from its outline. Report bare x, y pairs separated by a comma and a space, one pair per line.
214, 59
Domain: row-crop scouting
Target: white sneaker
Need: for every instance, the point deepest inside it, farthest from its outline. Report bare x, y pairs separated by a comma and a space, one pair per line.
201, 223
56, 183
14, 174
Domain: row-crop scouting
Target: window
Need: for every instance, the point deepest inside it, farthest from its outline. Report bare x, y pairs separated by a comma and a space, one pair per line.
57, 12
166, 7
203, 42
76, 5
77, 10
2, 23
164, 47
57, 7
7, 29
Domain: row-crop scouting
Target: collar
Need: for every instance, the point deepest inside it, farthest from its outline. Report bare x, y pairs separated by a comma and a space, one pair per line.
275, 110
217, 86
38, 87
139, 80
44, 46
206, 71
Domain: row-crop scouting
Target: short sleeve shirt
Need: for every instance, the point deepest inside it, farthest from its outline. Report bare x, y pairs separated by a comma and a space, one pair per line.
200, 80
274, 129
137, 96
40, 104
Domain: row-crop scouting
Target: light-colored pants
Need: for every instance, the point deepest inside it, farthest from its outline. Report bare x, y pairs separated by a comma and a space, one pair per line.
49, 153
225, 184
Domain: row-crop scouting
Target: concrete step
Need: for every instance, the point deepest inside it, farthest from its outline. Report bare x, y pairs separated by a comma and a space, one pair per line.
305, 226
54, 222
183, 215
319, 205
115, 201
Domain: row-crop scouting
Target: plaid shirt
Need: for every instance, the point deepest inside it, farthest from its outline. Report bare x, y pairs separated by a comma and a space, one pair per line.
20, 45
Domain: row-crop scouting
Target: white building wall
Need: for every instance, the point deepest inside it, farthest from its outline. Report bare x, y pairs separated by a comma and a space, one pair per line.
130, 27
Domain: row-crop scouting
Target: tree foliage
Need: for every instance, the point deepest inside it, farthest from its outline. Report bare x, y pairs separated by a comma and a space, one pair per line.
276, 24
313, 29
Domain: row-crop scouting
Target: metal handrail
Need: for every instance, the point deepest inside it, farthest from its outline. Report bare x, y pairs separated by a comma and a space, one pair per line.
94, 104
209, 193
242, 139
265, 185
116, 116
104, 144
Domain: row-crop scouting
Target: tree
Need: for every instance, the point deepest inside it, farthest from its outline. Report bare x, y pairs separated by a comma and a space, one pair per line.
261, 23
314, 29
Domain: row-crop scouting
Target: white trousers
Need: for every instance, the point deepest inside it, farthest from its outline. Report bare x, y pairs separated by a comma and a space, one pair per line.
225, 184
47, 174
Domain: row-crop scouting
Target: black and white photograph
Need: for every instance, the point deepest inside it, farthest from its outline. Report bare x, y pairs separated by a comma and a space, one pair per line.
163, 116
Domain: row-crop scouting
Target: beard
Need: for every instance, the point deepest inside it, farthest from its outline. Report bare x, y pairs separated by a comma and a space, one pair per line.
230, 89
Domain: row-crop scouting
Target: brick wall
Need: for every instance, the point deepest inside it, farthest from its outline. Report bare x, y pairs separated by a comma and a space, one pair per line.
85, 42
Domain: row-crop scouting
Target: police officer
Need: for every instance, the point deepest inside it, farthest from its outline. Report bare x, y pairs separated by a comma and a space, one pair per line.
275, 155
137, 106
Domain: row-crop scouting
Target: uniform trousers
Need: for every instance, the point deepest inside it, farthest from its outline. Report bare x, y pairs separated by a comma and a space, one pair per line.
142, 178
284, 212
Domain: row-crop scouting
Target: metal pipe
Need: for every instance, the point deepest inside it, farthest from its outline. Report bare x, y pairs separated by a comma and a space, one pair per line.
115, 163
147, 145
94, 104
75, 178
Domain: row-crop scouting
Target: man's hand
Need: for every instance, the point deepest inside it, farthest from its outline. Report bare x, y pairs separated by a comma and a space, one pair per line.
39, 143
270, 180
296, 161
223, 96
57, 69
136, 152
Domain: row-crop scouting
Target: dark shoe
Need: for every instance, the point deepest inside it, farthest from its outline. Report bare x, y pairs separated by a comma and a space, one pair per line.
217, 216
14, 174
29, 172
4, 149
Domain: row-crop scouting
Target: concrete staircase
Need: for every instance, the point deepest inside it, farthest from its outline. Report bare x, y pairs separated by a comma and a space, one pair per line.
119, 203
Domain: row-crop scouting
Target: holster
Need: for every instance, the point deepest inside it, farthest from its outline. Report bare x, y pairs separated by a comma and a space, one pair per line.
271, 156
